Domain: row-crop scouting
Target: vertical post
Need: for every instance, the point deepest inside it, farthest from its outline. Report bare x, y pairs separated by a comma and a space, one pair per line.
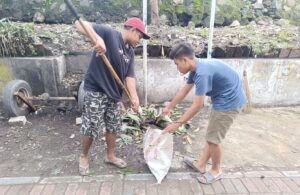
145, 67
211, 27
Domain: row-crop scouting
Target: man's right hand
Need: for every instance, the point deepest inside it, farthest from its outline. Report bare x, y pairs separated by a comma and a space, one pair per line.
100, 46
166, 111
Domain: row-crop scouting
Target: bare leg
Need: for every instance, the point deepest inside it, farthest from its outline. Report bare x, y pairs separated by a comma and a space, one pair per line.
201, 163
111, 145
86, 144
110, 155
215, 153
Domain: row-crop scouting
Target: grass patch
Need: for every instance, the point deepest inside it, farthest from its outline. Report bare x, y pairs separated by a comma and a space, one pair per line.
16, 39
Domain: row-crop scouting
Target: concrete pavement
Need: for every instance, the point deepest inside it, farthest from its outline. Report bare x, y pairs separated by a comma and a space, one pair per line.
253, 182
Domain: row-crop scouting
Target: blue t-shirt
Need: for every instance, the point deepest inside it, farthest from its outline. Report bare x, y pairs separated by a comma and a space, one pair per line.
218, 80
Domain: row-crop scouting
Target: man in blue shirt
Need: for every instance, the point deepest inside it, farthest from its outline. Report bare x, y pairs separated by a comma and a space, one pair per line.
218, 80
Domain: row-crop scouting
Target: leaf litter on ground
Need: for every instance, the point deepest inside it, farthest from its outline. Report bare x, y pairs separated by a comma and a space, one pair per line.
133, 125
125, 171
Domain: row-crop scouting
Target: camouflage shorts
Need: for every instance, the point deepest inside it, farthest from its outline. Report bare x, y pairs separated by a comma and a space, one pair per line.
100, 113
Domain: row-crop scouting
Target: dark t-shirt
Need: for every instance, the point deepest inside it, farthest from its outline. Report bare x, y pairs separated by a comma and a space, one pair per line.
98, 77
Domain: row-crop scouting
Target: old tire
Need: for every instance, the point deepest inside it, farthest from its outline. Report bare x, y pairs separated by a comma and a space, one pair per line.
80, 95
13, 106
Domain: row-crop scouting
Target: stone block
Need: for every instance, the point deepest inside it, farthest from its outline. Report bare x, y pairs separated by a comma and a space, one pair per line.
78, 121
284, 53
295, 53
19, 120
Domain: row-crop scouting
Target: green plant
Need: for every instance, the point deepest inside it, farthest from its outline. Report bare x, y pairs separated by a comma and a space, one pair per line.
133, 124
247, 12
91, 173
163, 121
179, 9
167, 8
33, 50
181, 130
127, 127
285, 36
16, 38
133, 119
197, 6
126, 141
203, 32
125, 171
260, 49
50, 35
274, 44
47, 5
149, 112
284, 45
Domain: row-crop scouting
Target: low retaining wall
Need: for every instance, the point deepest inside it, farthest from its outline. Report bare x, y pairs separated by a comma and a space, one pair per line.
43, 74
272, 82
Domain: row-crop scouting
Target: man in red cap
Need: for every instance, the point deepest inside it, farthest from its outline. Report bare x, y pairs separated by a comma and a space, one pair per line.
102, 93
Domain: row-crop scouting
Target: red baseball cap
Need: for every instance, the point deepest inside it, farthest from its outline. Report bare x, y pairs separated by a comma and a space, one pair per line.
138, 24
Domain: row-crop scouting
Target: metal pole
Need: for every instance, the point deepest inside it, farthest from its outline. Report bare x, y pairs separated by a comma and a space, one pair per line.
145, 67
211, 27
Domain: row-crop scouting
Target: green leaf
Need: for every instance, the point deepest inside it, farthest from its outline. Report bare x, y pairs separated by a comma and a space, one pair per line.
127, 142
132, 128
134, 118
91, 173
124, 171
181, 130
150, 112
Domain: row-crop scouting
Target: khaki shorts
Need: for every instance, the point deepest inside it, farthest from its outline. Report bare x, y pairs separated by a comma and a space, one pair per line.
219, 124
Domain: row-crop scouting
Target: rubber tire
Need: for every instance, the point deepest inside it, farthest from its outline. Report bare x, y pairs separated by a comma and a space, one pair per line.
10, 104
80, 95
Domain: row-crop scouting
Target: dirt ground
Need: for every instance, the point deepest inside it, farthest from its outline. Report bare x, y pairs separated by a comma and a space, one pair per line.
49, 145
266, 139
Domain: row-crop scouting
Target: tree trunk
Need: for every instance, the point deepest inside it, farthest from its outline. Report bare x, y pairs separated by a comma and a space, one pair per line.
154, 12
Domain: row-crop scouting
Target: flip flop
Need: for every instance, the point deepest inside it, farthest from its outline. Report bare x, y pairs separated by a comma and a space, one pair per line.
117, 162
84, 170
189, 161
209, 178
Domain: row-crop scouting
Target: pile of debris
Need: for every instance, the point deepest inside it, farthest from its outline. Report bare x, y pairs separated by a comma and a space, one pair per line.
265, 38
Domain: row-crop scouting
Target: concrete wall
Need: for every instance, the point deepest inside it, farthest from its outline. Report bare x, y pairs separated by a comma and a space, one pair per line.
78, 64
272, 82
42, 74
160, 74
164, 81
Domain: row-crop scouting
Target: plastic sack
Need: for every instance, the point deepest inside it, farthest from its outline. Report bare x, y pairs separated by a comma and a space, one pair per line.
158, 152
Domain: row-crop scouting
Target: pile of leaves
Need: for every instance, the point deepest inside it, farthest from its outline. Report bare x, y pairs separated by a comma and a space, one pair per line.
133, 125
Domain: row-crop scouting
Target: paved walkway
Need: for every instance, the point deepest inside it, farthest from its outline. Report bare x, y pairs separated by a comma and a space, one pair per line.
254, 182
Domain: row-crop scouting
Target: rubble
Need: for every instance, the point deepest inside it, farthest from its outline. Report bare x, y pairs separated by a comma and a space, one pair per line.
261, 38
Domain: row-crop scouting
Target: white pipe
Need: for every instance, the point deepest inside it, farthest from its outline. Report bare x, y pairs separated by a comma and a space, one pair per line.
145, 67
211, 27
